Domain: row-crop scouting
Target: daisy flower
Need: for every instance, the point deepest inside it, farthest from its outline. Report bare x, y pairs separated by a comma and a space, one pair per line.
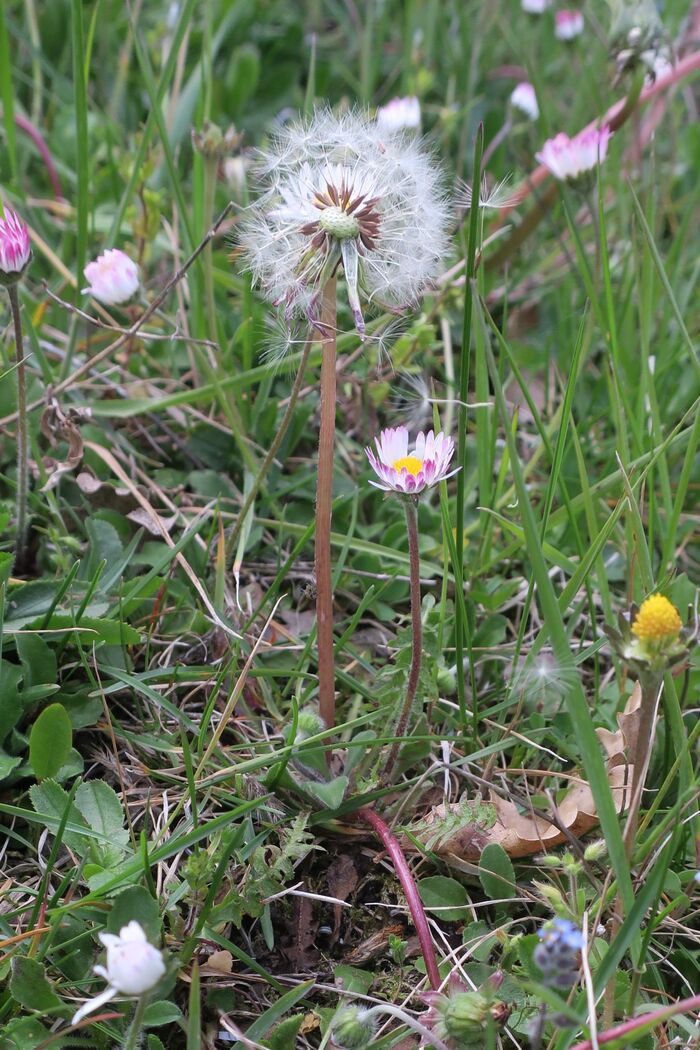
534, 7
410, 472
15, 251
399, 113
341, 193
523, 98
113, 277
568, 24
133, 967
569, 159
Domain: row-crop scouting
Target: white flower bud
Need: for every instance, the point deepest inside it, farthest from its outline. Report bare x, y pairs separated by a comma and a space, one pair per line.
133, 967
113, 277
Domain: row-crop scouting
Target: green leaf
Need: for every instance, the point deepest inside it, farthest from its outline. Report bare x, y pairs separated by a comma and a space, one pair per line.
285, 1034
10, 702
38, 661
136, 903
101, 808
154, 1043
350, 979
96, 629
30, 988
330, 794
161, 1013
50, 741
496, 872
50, 800
7, 764
447, 897
24, 1033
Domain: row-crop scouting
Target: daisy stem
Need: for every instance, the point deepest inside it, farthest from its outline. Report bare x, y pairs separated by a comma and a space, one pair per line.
417, 636
210, 165
132, 1036
22, 436
324, 502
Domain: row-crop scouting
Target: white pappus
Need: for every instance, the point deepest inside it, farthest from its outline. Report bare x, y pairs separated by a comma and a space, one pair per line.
342, 194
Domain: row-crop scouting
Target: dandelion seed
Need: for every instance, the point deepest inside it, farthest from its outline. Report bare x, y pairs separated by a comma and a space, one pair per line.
343, 195
495, 197
568, 25
524, 99
569, 159
410, 472
399, 114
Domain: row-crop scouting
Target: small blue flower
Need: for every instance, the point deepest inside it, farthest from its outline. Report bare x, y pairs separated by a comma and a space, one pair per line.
561, 932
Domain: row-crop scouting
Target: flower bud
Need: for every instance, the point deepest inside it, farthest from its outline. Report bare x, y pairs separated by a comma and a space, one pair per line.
134, 967
353, 1029
15, 250
113, 277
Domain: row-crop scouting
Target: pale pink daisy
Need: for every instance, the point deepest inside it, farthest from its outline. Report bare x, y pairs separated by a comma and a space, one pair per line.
406, 471
133, 967
523, 97
568, 24
15, 250
113, 277
568, 159
399, 113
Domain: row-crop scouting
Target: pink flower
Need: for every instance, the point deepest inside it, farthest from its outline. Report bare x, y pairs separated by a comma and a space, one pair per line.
410, 472
15, 250
568, 159
399, 113
113, 277
568, 24
523, 98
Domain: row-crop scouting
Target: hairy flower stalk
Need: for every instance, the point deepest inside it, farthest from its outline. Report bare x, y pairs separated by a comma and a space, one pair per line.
342, 197
15, 253
409, 473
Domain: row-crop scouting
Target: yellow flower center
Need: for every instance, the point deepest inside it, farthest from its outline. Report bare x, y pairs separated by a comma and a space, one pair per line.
411, 464
657, 618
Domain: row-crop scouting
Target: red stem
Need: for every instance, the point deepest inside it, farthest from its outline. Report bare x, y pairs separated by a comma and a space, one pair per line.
415, 905
35, 135
324, 502
629, 1027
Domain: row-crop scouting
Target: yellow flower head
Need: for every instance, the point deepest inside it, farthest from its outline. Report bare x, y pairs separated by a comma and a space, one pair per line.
657, 619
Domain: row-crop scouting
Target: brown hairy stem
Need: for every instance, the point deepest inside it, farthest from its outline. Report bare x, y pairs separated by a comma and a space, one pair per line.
417, 631
324, 501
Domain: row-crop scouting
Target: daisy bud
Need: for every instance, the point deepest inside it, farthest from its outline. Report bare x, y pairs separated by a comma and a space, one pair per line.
568, 25
534, 7
342, 195
15, 251
113, 277
524, 99
410, 472
573, 160
133, 968
399, 114
353, 1029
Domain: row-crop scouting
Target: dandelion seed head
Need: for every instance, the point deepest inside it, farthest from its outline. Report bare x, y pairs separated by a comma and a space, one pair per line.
497, 196
340, 195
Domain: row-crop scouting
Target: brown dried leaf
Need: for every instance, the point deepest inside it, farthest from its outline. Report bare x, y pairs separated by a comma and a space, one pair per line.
56, 426
522, 834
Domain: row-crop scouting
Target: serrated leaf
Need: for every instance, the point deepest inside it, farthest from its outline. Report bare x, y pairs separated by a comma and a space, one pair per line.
30, 987
103, 812
50, 741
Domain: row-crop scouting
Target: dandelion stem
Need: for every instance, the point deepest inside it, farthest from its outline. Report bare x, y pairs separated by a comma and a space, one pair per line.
415, 905
324, 501
22, 436
651, 686
417, 636
132, 1036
